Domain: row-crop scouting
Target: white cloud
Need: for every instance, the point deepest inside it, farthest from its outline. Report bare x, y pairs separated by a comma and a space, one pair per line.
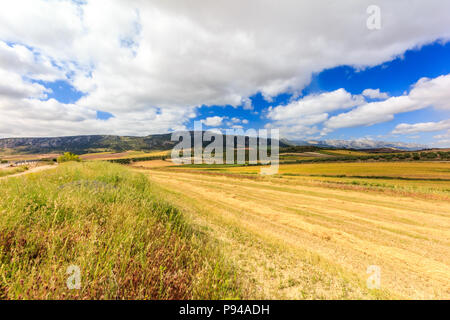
152, 63
405, 128
213, 121
296, 118
308, 108
305, 114
12, 87
372, 113
375, 94
235, 120
442, 140
21, 60
443, 136
432, 92
425, 93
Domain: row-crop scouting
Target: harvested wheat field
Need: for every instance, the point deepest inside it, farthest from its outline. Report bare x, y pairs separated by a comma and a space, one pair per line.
153, 164
122, 155
296, 237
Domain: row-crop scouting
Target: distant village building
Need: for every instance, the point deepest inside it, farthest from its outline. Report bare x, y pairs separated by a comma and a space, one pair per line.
26, 162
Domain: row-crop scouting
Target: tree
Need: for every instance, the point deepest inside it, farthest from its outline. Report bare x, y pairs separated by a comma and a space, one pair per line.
68, 156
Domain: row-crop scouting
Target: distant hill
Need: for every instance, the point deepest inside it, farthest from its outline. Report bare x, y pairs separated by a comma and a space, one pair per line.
90, 143
85, 144
362, 144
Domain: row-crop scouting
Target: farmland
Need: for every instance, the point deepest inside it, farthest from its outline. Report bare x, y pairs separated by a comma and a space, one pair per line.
122, 155
306, 234
224, 231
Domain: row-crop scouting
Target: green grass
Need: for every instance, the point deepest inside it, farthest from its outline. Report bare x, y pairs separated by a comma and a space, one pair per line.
8, 172
106, 220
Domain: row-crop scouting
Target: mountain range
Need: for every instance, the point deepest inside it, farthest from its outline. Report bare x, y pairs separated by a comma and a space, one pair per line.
361, 144
103, 143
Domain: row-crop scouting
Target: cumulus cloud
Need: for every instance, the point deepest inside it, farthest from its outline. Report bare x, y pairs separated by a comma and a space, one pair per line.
152, 63
432, 92
21, 60
13, 86
372, 113
301, 118
307, 109
235, 121
442, 140
405, 128
213, 121
425, 93
443, 136
375, 94
296, 119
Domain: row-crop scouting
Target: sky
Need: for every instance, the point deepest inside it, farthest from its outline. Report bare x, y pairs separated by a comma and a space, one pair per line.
315, 70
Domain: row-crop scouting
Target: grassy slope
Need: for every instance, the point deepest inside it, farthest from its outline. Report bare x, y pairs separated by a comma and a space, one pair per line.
106, 220
11, 171
297, 238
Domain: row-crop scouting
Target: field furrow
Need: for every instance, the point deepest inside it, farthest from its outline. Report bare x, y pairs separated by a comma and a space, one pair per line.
317, 230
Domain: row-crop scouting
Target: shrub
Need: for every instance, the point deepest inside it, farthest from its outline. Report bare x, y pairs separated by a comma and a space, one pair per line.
68, 156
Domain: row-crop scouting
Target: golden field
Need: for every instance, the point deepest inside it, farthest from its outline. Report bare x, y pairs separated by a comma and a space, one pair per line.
311, 232
217, 231
122, 155
424, 170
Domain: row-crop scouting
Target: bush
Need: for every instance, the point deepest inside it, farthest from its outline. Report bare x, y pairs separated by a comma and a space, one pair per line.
139, 159
3, 161
68, 156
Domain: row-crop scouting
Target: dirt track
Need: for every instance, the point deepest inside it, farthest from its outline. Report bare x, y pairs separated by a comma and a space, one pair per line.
32, 170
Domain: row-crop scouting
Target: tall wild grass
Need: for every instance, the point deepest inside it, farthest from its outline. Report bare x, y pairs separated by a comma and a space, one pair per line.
102, 218
10, 171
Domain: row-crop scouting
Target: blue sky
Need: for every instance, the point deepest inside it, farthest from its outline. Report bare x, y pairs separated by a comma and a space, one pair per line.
394, 77
314, 71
